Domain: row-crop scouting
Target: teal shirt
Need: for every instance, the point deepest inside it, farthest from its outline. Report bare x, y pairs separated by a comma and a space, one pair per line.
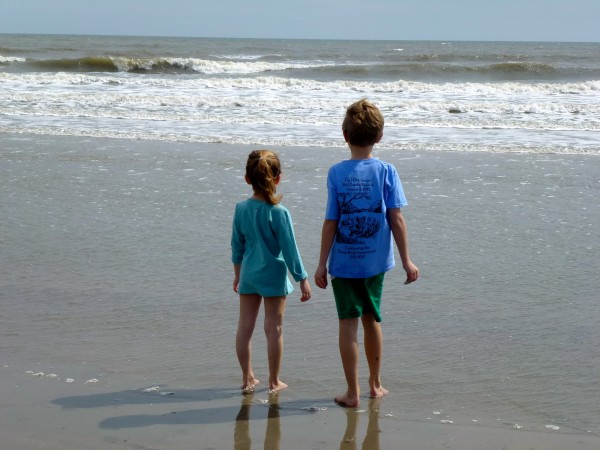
263, 242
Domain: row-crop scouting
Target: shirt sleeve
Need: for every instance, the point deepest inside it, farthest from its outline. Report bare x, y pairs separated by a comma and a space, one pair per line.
287, 241
238, 242
394, 193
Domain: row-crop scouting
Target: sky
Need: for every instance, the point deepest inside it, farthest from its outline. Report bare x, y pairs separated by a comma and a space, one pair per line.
471, 20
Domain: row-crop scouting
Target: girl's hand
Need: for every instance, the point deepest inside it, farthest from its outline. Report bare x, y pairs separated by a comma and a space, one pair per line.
236, 277
306, 290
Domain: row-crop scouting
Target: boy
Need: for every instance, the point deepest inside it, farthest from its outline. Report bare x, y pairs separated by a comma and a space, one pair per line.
363, 212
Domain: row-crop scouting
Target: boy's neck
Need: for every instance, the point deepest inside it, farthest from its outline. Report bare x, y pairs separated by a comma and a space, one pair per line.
361, 152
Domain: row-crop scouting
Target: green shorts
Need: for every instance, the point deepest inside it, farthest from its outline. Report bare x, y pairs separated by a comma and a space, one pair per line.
355, 297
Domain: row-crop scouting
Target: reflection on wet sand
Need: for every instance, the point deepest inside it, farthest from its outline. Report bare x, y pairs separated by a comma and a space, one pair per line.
241, 436
371, 441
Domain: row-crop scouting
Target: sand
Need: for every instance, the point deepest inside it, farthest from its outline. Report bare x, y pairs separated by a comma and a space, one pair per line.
117, 324
44, 413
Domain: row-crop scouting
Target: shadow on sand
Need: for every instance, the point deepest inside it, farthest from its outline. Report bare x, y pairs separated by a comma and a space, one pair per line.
262, 409
145, 396
270, 409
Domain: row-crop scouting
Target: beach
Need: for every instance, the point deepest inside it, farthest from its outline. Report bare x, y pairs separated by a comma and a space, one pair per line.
118, 317
122, 159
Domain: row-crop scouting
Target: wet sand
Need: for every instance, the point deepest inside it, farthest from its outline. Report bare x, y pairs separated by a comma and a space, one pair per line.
111, 258
42, 413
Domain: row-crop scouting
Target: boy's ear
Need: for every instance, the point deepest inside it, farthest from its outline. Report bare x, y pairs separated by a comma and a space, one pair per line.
345, 135
247, 179
379, 138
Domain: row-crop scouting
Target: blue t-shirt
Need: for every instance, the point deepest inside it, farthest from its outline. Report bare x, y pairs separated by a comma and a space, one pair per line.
359, 194
263, 242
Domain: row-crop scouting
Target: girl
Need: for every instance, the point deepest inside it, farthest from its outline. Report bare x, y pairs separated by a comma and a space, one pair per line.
263, 250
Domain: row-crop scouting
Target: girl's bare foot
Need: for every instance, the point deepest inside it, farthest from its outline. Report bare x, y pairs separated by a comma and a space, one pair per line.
248, 388
377, 392
276, 387
348, 400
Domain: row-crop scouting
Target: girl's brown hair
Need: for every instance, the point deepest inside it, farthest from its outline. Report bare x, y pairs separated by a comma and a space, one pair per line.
262, 169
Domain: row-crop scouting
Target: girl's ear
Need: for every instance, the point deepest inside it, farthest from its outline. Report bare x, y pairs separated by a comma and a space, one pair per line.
277, 179
247, 179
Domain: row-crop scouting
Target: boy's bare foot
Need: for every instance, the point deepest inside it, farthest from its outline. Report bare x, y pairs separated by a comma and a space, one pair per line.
377, 392
348, 400
276, 387
248, 387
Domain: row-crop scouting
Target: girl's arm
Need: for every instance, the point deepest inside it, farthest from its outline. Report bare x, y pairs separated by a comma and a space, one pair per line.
284, 233
305, 289
236, 277
327, 236
291, 254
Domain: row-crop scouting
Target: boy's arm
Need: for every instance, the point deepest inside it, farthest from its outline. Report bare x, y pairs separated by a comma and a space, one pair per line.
327, 236
398, 226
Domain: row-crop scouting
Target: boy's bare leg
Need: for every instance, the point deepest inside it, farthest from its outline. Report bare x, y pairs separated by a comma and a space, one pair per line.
373, 350
348, 342
249, 308
274, 310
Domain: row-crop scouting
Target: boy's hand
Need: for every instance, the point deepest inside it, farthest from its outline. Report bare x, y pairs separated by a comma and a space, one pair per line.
412, 273
321, 277
306, 290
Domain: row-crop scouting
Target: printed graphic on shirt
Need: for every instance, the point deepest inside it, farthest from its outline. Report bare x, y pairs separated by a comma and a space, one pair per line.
360, 213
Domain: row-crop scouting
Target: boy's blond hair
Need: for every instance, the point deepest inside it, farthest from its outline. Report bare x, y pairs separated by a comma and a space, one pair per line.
363, 124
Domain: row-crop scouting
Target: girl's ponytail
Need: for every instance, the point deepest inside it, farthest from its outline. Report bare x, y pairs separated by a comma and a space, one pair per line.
262, 169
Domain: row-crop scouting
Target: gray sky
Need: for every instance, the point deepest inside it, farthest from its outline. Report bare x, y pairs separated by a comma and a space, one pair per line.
513, 20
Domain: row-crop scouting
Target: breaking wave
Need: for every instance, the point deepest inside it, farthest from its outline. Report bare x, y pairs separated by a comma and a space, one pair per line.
425, 68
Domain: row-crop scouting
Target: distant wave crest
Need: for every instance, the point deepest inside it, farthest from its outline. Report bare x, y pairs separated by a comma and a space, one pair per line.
420, 68
95, 64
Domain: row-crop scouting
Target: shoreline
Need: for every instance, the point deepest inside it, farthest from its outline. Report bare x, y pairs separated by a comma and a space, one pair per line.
274, 144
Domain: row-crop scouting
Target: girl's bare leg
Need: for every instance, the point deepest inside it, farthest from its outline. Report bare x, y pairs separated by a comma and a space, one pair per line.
249, 308
274, 311
348, 342
349, 439
373, 350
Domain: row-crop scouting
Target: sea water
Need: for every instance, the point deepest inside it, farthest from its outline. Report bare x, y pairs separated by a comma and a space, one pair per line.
115, 252
484, 96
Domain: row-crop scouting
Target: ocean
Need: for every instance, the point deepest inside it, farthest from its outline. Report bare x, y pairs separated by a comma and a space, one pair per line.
121, 160
458, 96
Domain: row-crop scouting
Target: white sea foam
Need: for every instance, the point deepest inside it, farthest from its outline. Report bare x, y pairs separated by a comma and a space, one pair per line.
151, 389
10, 59
299, 112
